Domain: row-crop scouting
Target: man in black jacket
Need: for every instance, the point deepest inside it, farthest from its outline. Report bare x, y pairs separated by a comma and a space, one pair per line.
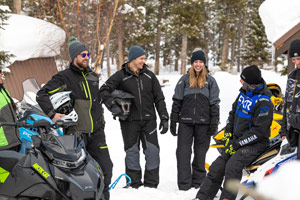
291, 118
246, 134
84, 84
9, 135
140, 125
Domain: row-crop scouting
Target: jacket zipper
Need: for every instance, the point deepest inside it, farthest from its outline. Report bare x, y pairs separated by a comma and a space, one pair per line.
86, 95
140, 96
91, 102
194, 118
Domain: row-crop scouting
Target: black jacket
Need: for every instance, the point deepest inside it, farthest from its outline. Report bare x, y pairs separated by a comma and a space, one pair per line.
9, 135
85, 95
251, 117
291, 110
196, 105
144, 87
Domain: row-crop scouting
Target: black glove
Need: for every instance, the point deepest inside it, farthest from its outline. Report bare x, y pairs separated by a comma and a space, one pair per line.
229, 147
173, 128
174, 119
213, 129
115, 110
163, 126
227, 135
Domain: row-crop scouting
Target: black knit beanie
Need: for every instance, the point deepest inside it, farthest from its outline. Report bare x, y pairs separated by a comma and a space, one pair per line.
198, 55
75, 47
294, 50
135, 52
251, 75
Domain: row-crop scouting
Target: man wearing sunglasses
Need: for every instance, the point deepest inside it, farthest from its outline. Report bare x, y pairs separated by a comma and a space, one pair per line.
140, 125
84, 85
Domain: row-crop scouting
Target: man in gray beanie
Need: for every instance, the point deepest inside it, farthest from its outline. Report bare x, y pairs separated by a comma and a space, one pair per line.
140, 125
84, 85
291, 117
75, 47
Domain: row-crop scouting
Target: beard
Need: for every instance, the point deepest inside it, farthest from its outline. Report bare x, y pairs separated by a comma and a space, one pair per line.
82, 64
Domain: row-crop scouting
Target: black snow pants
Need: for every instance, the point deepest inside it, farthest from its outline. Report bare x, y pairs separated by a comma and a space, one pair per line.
97, 148
231, 167
191, 175
133, 133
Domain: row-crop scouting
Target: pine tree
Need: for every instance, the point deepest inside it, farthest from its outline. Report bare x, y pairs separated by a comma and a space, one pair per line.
187, 20
257, 46
4, 55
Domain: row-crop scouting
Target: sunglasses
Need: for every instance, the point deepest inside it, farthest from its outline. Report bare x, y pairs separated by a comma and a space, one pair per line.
85, 54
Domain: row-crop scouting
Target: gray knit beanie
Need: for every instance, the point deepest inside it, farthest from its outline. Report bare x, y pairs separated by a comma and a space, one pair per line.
135, 52
75, 47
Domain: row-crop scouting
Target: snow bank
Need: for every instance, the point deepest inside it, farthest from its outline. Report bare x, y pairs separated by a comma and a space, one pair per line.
279, 17
28, 37
283, 184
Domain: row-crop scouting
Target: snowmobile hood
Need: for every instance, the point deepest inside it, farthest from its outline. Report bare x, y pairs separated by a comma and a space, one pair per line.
64, 147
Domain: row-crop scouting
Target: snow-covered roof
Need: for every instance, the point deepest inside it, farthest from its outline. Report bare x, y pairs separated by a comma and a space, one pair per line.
279, 17
28, 37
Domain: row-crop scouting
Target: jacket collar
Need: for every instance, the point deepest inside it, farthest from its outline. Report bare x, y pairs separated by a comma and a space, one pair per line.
261, 89
127, 69
79, 71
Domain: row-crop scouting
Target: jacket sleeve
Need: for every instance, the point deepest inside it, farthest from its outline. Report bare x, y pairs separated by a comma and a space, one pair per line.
108, 87
230, 119
214, 101
283, 130
260, 126
178, 96
159, 99
56, 84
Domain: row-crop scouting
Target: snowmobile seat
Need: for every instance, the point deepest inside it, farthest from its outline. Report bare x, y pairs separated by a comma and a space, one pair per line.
9, 159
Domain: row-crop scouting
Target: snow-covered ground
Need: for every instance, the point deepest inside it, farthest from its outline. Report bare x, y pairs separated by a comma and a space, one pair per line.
229, 86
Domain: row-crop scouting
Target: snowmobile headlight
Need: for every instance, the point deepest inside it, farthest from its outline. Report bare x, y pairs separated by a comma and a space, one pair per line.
67, 164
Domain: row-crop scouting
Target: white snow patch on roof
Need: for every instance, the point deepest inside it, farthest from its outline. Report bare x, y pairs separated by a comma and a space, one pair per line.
279, 17
28, 37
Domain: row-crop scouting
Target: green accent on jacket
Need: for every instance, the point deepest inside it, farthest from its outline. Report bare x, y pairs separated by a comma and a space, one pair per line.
3, 175
91, 102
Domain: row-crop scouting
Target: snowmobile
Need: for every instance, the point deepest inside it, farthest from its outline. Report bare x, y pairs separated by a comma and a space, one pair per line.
56, 167
30, 112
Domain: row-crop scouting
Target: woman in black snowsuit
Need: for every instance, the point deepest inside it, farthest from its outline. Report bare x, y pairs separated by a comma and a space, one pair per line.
196, 108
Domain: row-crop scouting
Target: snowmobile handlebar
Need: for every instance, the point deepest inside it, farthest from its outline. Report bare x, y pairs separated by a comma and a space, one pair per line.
16, 124
40, 123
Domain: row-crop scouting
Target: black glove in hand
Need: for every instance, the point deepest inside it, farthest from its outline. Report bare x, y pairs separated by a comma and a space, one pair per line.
227, 135
115, 110
213, 129
173, 128
163, 126
229, 147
